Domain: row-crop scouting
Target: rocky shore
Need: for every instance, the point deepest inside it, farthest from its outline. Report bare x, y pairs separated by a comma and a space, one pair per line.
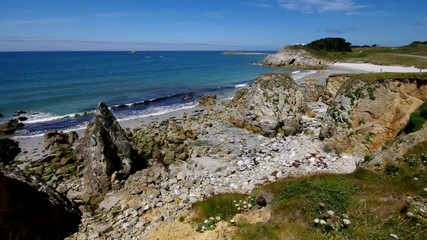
128, 182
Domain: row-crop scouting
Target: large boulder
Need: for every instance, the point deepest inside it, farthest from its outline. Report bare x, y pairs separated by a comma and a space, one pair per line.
294, 57
9, 149
369, 113
107, 155
30, 209
273, 104
57, 141
208, 100
10, 127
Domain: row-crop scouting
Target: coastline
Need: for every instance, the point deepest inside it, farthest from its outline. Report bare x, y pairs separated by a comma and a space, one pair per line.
222, 159
33, 146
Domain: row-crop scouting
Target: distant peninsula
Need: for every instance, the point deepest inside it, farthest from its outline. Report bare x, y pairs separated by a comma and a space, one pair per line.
243, 53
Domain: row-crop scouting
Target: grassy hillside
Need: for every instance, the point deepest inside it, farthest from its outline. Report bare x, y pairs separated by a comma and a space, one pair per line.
410, 55
362, 205
390, 204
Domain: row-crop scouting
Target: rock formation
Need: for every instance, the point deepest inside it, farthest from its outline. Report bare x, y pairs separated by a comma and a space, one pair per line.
208, 100
166, 142
273, 104
10, 127
29, 209
294, 57
395, 151
107, 155
369, 113
9, 149
55, 141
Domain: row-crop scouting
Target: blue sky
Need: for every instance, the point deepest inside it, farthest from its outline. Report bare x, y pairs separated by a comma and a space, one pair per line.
205, 24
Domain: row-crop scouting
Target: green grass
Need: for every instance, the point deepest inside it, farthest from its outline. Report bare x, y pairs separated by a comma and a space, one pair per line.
220, 205
374, 203
417, 119
378, 55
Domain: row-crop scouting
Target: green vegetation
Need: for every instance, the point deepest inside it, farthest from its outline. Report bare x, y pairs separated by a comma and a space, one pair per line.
417, 119
414, 54
361, 205
221, 205
330, 45
417, 153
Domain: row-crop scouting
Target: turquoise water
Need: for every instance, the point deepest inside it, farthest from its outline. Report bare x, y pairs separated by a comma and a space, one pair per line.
60, 90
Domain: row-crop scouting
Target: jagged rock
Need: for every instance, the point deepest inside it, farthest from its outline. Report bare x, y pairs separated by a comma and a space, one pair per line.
312, 90
29, 209
370, 113
106, 154
208, 100
274, 102
19, 113
1, 115
289, 56
56, 141
333, 84
395, 151
9, 149
10, 127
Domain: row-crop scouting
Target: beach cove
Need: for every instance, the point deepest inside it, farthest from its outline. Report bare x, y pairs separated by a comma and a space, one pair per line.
225, 159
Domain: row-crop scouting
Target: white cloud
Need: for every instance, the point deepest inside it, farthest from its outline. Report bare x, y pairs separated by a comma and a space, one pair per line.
320, 6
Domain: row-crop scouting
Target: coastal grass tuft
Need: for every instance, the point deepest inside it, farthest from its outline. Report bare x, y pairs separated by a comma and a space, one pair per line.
221, 205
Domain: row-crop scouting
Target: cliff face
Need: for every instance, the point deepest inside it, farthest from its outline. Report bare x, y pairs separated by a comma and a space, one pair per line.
273, 104
289, 57
368, 114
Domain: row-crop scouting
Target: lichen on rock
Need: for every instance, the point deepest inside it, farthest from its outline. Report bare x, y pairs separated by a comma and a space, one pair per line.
367, 114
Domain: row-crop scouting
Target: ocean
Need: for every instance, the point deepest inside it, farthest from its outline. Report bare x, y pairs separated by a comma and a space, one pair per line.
60, 90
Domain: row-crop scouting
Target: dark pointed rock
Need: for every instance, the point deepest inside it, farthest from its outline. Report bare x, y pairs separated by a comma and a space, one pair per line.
10, 127
9, 149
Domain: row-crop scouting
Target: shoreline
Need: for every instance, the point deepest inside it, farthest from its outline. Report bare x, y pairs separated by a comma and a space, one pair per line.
32, 146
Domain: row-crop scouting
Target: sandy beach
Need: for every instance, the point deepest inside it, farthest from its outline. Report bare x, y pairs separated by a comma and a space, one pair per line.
32, 147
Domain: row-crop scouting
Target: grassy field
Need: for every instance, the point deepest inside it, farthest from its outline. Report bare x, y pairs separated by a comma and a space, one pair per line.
361, 205
410, 55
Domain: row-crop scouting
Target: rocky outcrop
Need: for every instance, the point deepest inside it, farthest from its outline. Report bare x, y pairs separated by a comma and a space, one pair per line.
395, 151
369, 113
107, 155
57, 141
273, 104
29, 209
294, 57
166, 142
208, 100
9, 149
10, 127
333, 84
